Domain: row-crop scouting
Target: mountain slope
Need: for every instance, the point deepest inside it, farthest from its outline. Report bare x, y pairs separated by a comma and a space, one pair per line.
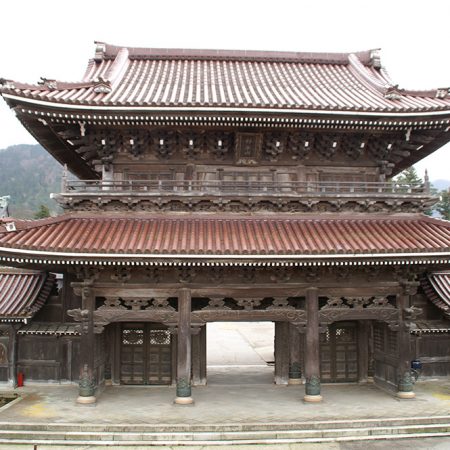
29, 174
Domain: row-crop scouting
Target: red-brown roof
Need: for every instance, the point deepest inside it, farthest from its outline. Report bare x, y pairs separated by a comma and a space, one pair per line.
218, 236
437, 288
167, 78
23, 292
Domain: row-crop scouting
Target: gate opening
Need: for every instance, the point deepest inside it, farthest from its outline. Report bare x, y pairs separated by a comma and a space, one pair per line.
240, 352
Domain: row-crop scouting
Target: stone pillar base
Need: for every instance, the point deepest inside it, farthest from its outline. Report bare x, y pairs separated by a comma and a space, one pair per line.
312, 398
410, 394
295, 381
86, 400
183, 400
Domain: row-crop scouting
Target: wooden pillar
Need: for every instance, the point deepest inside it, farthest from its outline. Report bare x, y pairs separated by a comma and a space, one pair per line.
184, 361
86, 392
13, 349
199, 357
281, 352
295, 373
405, 382
363, 351
174, 353
107, 176
312, 356
109, 354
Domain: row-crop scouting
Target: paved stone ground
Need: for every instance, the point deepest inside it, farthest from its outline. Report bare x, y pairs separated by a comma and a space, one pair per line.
240, 390
245, 402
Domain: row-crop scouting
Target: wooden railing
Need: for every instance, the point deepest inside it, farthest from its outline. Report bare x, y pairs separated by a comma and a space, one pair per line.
241, 188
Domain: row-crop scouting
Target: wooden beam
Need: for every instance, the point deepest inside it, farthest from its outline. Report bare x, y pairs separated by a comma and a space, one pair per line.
256, 290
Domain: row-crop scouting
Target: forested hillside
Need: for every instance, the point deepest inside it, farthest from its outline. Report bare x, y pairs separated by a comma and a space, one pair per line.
28, 174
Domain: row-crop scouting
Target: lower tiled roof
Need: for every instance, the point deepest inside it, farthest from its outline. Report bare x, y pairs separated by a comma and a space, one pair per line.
23, 293
53, 329
436, 287
237, 235
430, 327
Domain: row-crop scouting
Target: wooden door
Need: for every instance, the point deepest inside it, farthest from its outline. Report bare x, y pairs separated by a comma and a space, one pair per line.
159, 357
339, 353
145, 354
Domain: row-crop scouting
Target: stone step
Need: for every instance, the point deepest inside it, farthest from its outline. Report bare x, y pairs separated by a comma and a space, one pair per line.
232, 427
101, 438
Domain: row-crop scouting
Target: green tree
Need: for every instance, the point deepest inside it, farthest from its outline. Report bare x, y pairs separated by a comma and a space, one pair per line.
42, 212
443, 207
409, 176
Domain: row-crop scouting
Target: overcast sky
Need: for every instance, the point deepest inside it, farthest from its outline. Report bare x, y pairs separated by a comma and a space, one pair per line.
55, 38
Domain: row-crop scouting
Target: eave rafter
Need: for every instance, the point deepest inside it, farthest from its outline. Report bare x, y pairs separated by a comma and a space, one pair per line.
407, 139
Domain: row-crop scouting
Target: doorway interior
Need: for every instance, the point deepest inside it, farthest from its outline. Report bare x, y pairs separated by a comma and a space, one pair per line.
240, 352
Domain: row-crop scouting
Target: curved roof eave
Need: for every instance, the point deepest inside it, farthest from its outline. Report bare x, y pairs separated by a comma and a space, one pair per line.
222, 110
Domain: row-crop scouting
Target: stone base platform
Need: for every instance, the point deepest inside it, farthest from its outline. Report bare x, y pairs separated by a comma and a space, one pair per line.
223, 414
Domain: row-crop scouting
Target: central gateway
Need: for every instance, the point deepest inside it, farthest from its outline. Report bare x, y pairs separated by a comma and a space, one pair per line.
145, 354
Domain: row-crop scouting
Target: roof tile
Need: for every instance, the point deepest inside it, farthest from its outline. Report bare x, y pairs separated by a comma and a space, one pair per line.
220, 79
230, 235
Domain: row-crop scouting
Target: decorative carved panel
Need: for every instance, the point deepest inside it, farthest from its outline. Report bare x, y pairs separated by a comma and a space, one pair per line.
274, 144
358, 308
121, 274
215, 304
248, 303
327, 145
300, 145
248, 148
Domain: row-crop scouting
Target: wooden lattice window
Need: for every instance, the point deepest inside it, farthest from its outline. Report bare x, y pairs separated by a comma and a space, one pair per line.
159, 337
378, 337
392, 342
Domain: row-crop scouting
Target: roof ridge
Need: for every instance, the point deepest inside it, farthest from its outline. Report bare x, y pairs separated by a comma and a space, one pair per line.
104, 51
25, 224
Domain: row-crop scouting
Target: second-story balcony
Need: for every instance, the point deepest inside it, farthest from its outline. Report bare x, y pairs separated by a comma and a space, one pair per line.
387, 195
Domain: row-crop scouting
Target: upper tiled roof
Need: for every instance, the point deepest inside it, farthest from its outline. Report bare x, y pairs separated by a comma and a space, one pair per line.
23, 292
218, 236
215, 79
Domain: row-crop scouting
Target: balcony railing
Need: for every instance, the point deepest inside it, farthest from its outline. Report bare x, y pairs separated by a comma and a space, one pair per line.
242, 188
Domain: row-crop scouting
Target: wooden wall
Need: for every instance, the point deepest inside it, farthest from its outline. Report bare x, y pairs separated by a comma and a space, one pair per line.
433, 350
48, 358
385, 356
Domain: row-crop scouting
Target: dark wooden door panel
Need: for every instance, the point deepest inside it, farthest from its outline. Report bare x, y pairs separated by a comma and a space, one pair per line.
145, 355
339, 353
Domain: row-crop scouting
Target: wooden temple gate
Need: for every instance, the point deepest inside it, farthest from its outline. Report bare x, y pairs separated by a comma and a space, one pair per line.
265, 197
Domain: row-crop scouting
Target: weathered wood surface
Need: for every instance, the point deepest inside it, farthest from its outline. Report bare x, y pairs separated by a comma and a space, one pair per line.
312, 355
363, 350
184, 350
282, 352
